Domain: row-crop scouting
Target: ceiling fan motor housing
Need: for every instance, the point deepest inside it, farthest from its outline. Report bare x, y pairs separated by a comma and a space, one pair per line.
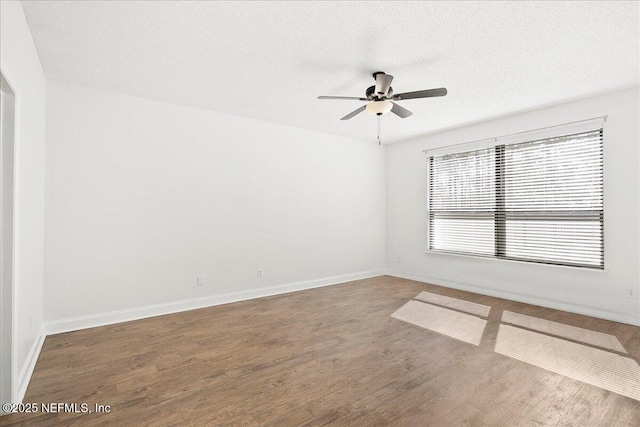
371, 92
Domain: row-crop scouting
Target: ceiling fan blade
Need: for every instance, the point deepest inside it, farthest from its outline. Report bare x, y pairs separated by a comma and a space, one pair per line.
343, 97
354, 113
399, 111
383, 83
420, 94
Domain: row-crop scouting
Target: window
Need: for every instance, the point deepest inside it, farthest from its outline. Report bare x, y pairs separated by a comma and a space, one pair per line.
534, 200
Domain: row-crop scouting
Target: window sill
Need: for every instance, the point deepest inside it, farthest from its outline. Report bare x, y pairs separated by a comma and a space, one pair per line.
528, 263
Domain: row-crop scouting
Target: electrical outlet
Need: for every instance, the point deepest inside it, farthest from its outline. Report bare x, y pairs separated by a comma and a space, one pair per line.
631, 293
200, 281
259, 274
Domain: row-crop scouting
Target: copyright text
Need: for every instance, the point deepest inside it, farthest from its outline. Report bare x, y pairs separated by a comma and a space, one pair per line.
55, 407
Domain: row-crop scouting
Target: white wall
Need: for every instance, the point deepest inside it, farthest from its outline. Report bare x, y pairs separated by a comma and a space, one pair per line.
597, 293
143, 196
21, 67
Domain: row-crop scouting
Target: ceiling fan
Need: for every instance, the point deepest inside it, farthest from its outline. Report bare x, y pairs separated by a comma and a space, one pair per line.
381, 98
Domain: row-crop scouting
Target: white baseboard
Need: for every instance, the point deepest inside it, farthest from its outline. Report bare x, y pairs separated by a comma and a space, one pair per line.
101, 319
24, 377
616, 316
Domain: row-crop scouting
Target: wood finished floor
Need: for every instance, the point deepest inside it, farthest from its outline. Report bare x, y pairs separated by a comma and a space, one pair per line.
330, 355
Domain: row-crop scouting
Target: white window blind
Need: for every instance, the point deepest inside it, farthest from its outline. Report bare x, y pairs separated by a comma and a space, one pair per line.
538, 201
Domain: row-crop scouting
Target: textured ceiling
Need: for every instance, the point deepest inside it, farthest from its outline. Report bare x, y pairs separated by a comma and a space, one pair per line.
270, 60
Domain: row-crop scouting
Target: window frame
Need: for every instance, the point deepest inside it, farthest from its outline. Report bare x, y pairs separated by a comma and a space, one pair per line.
500, 215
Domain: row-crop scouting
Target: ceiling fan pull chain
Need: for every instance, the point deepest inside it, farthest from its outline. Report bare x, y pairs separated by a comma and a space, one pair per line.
378, 117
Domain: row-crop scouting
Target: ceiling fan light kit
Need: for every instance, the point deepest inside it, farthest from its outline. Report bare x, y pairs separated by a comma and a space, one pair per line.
380, 97
379, 108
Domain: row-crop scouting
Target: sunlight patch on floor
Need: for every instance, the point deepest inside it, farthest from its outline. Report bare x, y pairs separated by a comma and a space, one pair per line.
610, 371
586, 336
455, 303
454, 324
